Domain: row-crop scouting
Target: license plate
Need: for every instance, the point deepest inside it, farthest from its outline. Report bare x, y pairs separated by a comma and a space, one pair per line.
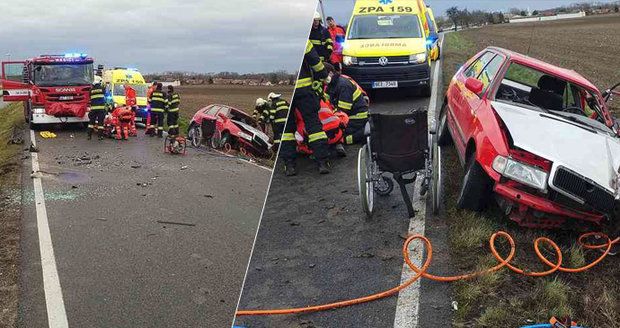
384, 84
65, 97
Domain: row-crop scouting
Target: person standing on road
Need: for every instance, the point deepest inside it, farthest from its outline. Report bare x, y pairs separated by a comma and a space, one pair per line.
320, 38
130, 95
261, 113
158, 107
347, 96
278, 109
337, 34
307, 101
97, 112
149, 93
172, 119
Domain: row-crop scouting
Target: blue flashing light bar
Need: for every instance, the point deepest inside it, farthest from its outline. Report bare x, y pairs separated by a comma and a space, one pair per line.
75, 55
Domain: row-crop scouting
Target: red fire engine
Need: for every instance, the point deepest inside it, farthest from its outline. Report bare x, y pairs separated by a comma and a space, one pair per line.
54, 88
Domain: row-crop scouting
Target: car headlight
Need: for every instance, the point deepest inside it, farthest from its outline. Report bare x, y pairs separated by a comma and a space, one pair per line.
349, 60
520, 172
418, 58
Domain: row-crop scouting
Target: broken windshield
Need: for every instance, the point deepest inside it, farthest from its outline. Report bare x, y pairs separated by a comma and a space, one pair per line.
55, 75
534, 89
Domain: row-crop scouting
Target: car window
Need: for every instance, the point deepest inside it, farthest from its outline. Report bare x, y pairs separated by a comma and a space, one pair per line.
225, 111
212, 110
476, 67
489, 71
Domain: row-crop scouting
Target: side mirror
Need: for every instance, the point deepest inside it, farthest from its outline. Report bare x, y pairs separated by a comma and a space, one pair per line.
474, 85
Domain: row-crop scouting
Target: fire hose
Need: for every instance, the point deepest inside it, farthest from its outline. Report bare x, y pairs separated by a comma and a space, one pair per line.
422, 271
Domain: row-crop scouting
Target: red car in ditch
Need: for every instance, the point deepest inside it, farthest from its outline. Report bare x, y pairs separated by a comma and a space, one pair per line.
225, 127
540, 137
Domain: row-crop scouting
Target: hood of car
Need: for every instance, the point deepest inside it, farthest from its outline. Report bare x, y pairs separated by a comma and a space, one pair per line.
256, 132
588, 152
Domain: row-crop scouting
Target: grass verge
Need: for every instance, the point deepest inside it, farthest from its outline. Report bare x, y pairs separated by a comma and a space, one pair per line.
504, 299
10, 214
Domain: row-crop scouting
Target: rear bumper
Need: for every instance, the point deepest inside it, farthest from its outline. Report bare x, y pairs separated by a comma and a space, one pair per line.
526, 202
407, 75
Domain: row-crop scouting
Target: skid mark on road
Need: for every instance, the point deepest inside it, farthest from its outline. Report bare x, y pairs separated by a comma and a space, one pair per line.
56, 314
408, 304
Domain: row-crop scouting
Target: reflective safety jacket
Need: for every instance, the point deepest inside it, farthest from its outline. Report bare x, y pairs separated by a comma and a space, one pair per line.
130, 96
261, 113
322, 41
173, 102
97, 98
347, 96
312, 72
337, 34
158, 101
278, 110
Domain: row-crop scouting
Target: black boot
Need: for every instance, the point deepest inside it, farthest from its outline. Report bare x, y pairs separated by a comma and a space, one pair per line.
90, 134
100, 134
324, 166
340, 150
290, 168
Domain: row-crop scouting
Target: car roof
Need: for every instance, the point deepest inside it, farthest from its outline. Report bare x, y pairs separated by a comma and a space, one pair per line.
230, 107
566, 74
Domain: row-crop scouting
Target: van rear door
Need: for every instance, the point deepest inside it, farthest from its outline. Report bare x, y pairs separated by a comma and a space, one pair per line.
14, 87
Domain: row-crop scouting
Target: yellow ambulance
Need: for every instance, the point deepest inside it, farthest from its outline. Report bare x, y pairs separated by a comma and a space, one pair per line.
115, 79
386, 45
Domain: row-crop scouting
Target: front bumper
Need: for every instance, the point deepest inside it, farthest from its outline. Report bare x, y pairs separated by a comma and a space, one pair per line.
524, 208
48, 119
409, 75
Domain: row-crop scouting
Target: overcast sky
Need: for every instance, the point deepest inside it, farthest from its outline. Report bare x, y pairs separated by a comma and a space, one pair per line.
341, 9
162, 35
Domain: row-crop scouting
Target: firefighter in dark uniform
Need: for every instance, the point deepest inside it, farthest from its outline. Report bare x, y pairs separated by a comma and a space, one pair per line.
97, 113
278, 110
172, 118
158, 108
321, 39
347, 96
261, 112
307, 101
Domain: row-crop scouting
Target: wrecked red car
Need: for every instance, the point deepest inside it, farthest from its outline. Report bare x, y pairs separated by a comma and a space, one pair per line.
539, 136
224, 127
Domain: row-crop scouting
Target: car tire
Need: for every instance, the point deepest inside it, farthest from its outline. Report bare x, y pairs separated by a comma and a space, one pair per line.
443, 134
226, 139
475, 189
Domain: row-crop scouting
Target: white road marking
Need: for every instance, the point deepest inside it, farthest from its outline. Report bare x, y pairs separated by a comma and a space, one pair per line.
408, 304
56, 314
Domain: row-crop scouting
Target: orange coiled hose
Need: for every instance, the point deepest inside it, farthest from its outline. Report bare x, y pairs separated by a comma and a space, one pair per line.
421, 271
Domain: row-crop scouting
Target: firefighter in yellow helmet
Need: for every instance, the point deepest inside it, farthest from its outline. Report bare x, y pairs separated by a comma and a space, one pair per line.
321, 39
261, 112
277, 114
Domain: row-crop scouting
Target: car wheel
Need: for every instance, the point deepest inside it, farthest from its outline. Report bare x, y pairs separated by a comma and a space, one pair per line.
195, 135
443, 138
475, 190
226, 142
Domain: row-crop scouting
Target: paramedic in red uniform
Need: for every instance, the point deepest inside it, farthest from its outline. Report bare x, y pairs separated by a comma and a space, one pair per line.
337, 33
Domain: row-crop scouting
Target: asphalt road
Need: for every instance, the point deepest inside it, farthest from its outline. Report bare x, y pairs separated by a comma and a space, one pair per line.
316, 246
119, 267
